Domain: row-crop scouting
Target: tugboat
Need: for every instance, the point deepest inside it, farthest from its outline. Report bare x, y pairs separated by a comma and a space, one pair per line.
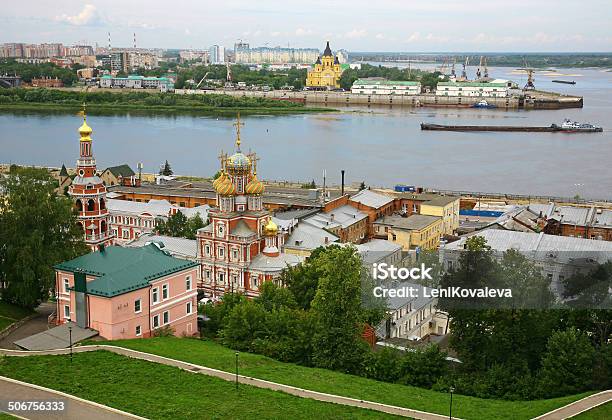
483, 104
569, 126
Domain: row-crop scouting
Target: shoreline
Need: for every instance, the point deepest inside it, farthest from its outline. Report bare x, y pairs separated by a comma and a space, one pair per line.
106, 109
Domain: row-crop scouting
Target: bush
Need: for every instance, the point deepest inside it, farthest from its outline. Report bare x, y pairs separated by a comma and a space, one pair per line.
423, 367
165, 331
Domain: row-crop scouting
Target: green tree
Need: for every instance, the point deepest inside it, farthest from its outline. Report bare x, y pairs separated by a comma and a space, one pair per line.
423, 367
567, 365
38, 229
194, 223
337, 310
244, 323
272, 297
302, 280
166, 170
362, 186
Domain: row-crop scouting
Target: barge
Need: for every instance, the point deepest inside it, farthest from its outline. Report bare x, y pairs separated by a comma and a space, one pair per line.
566, 127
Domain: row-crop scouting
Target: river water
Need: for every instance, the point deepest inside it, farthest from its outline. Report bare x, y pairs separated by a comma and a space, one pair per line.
381, 146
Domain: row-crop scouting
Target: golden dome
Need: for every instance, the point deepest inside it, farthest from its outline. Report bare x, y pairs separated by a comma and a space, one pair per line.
218, 180
254, 186
270, 229
226, 187
85, 131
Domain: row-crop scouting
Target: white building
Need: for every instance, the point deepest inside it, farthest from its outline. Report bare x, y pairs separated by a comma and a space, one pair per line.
497, 88
130, 219
136, 82
216, 54
559, 257
381, 86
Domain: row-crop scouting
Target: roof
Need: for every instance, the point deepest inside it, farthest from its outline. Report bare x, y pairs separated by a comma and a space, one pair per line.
242, 229
327, 51
121, 170
421, 300
442, 200
266, 264
153, 207
343, 216
384, 82
414, 222
295, 214
63, 171
121, 270
581, 216
201, 211
306, 236
503, 240
371, 199
177, 247
473, 84
376, 250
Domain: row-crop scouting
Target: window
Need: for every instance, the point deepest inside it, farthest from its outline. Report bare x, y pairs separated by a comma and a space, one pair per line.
138, 330
137, 306
126, 234
221, 277
234, 254
67, 312
166, 317
165, 292
207, 249
156, 321
155, 295
221, 252
189, 307
66, 285
188, 283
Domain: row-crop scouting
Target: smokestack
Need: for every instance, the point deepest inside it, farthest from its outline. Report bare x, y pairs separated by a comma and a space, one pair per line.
134, 40
342, 188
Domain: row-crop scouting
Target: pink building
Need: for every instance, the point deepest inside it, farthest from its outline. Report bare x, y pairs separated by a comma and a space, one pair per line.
128, 292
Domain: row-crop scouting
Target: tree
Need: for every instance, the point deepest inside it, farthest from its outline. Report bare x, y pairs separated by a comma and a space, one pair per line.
336, 307
272, 297
302, 280
362, 186
38, 229
567, 365
244, 323
194, 223
166, 170
423, 367
178, 225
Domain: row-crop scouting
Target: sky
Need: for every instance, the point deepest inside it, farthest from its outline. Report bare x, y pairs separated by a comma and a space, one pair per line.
354, 25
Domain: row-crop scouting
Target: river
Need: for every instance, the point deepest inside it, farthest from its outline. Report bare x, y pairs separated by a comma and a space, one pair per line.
380, 146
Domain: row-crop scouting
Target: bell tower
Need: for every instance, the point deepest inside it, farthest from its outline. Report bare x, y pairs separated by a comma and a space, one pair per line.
89, 193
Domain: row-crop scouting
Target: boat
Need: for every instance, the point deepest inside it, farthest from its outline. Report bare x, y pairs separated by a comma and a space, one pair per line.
567, 82
483, 104
569, 126
566, 127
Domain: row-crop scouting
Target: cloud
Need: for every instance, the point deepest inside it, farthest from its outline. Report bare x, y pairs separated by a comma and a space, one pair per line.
187, 31
303, 32
88, 16
380, 36
415, 36
275, 33
356, 33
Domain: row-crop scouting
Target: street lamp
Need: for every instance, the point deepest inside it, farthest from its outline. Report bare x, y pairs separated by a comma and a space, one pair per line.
450, 411
236, 370
70, 335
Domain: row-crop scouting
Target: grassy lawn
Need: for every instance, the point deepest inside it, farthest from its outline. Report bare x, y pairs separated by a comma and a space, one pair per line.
10, 314
162, 392
211, 354
603, 411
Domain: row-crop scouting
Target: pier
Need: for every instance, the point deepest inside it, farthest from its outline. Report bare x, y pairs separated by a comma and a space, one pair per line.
531, 100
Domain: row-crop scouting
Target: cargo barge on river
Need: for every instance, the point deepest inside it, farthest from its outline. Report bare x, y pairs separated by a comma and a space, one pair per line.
566, 127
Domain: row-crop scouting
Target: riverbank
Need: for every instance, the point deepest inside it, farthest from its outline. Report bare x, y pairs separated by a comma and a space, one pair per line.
48, 100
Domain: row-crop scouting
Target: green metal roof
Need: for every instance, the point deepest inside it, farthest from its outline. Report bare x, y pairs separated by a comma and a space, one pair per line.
385, 82
123, 170
472, 84
121, 270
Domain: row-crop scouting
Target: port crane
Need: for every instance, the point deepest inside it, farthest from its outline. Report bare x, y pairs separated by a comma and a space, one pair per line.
453, 73
486, 69
478, 72
464, 71
200, 82
529, 85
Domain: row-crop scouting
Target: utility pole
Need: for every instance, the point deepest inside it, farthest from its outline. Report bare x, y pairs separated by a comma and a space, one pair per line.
70, 335
236, 370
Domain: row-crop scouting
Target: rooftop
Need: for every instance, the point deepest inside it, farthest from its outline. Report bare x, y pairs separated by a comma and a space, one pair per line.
343, 216
121, 170
306, 236
121, 270
371, 199
384, 82
442, 200
265, 264
177, 247
413, 222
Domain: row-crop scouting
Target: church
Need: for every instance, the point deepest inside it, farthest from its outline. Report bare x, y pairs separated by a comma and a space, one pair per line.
326, 72
241, 246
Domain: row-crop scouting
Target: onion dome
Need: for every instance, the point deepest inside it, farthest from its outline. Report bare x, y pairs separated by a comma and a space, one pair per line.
85, 131
270, 229
226, 187
238, 163
219, 179
254, 186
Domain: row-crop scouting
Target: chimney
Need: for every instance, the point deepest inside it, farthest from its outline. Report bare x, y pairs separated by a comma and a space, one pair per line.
326, 240
342, 188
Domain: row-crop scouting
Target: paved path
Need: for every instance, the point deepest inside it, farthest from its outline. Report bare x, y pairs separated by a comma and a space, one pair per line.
561, 413
260, 383
33, 326
75, 408
578, 407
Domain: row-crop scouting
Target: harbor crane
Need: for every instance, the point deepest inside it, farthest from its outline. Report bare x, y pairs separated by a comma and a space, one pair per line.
203, 78
529, 85
453, 73
486, 68
464, 71
478, 72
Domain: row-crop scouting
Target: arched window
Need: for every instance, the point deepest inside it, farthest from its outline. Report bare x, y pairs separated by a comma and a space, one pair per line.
102, 204
91, 205
79, 205
103, 226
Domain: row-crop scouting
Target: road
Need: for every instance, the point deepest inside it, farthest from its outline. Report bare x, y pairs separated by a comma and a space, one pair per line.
33, 326
74, 408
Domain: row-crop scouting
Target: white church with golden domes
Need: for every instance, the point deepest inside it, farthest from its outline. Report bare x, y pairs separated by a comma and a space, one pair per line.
241, 246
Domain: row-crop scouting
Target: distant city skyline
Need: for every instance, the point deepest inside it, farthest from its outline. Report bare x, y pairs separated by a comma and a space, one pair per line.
387, 25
